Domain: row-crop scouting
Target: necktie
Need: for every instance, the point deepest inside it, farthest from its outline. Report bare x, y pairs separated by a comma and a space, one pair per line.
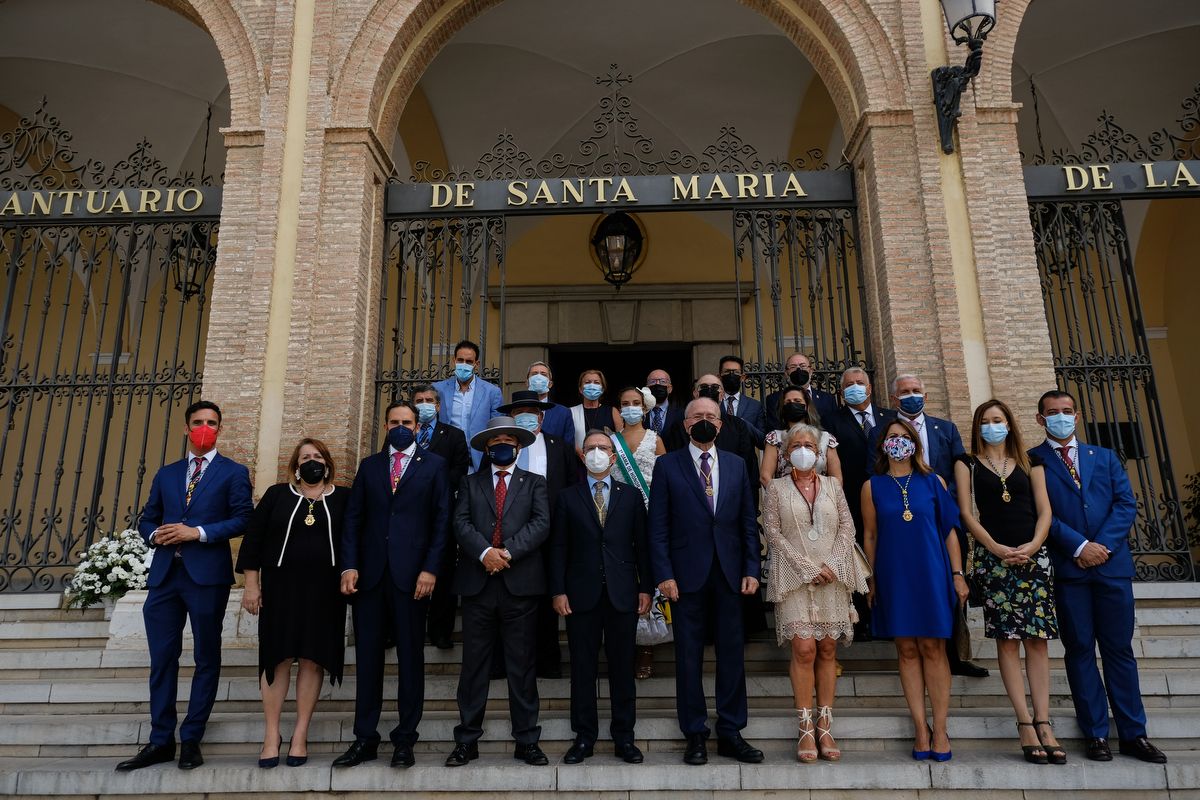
862, 421
426, 433
195, 479
657, 424
397, 468
706, 471
729, 406
1065, 455
599, 499
501, 493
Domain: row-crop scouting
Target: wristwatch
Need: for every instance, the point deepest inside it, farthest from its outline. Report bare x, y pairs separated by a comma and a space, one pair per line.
959, 572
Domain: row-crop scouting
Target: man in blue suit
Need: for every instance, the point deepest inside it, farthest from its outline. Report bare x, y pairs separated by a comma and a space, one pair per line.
396, 526
941, 445
704, 556
799, 371
556, 420
665, 413
742, 406
468, 401
1094, 508
196, 506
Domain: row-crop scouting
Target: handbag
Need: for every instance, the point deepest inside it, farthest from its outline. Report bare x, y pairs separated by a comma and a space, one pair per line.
653, 627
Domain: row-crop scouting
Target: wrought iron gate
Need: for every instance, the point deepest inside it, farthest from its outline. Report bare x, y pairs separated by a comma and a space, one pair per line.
102, 325
1102, 357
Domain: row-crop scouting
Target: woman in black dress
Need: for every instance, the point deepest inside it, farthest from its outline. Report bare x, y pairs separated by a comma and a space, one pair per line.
593, 414
1003, 501
290, 558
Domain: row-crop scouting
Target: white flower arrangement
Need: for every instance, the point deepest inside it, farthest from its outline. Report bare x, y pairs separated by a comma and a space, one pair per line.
109, 568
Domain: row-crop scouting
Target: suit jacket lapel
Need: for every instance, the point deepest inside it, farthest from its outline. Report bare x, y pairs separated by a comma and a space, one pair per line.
1084, 462
694, 478
1055, 465
516, 482
413, 461
487, 485
209, 475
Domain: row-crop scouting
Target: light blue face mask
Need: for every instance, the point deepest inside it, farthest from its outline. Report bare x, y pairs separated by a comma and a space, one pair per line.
632, 414
592, 391
464, 372
539, 383
426, 412
994, 432
529, 421
855, 394
1061, 426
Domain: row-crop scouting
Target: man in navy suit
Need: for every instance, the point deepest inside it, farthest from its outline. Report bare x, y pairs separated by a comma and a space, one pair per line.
556, 419
665, 413
704, 553
395, 529
196, 506
742, 406
799, 372
941, 445
468, 401
450, 443
599, 579
1094, 508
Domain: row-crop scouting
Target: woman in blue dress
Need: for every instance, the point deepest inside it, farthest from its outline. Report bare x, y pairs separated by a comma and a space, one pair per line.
917, 576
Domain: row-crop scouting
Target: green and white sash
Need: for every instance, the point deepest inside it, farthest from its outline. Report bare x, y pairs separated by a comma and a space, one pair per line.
629, 467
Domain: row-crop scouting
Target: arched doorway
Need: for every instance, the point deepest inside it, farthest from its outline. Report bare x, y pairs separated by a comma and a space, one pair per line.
110, 168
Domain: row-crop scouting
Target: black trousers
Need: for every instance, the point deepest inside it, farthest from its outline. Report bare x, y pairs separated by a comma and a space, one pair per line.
443, 605
379, 611
585, 632
496, 608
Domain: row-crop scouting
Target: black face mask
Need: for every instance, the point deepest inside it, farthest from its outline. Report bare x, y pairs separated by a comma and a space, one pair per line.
794, 412
711, 392
799, 376
312, 472
703, 432
659, 393
502, 454
400, 437
731, 383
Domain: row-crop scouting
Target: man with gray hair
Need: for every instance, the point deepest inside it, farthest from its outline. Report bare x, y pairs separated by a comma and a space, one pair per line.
799, 371
556, 420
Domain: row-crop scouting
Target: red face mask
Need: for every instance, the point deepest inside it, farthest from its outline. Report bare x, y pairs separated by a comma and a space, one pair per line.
203, 439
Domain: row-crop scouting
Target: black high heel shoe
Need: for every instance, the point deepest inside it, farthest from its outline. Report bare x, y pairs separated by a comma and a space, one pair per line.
1034, 753
1055, 754
271, 763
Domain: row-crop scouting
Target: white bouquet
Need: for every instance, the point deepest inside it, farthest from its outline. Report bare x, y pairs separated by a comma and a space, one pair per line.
109, 568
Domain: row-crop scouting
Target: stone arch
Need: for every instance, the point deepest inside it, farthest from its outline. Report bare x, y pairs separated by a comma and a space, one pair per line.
844, 39
243, 67
993, 86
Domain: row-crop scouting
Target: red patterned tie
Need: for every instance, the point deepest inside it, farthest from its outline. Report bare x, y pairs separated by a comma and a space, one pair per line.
729, 406
501, 493
397, 468
195, 479
1066, 459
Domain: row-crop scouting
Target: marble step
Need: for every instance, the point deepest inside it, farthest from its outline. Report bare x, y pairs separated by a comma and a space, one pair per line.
888, 775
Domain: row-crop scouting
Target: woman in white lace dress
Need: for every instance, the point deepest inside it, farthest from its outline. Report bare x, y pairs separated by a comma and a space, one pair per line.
814, 571
794, 410
637, 448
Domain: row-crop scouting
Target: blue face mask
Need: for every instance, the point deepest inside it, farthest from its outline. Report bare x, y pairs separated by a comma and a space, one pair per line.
994, 432
1061, 426
400, 437
426, 412
632, 414
913, 404
592, 391
502, 454
539, 383
855, 394
464, 372
528, 421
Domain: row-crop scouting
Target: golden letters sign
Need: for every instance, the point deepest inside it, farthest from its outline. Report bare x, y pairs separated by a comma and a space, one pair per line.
1145, 180
116, 202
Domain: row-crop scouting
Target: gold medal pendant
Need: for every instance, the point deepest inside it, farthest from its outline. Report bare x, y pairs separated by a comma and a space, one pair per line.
1006, 497
907, 515
708, 491
310, 520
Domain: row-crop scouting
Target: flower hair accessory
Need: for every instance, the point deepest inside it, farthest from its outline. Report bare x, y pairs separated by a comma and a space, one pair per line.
647, 398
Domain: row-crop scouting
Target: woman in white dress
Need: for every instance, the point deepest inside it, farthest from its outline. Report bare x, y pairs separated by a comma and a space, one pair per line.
814, 571
637, 448
794, 410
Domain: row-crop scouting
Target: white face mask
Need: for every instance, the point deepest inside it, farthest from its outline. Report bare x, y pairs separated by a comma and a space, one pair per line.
803, 459
596, 460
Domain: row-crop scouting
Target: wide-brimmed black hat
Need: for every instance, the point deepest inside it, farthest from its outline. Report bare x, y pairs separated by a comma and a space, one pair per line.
497, 426
524, 398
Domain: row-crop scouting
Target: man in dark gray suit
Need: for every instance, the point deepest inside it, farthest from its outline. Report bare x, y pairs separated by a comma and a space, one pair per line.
739, 404
501, 519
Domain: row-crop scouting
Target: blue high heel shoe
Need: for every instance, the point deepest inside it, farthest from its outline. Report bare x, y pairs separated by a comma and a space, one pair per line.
935, 755
924, 755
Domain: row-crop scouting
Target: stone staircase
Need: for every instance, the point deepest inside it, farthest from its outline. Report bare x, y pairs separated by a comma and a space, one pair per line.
70, 708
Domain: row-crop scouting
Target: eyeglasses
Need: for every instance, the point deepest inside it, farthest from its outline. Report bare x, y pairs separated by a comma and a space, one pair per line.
737, 372
658, 382
708, 386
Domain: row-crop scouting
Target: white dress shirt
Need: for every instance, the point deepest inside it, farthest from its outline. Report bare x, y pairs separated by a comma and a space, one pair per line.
869, 411
535, 456
712, 462
920, 423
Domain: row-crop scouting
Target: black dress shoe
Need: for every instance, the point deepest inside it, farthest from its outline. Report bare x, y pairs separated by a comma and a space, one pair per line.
629, 753
362, 750
1141, 748
1097, 750
968, 670
550, 672
402, 756
443, 641
148, 755
739, 748
697, 750
532, 755
462, 754
189, 755
577, 752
